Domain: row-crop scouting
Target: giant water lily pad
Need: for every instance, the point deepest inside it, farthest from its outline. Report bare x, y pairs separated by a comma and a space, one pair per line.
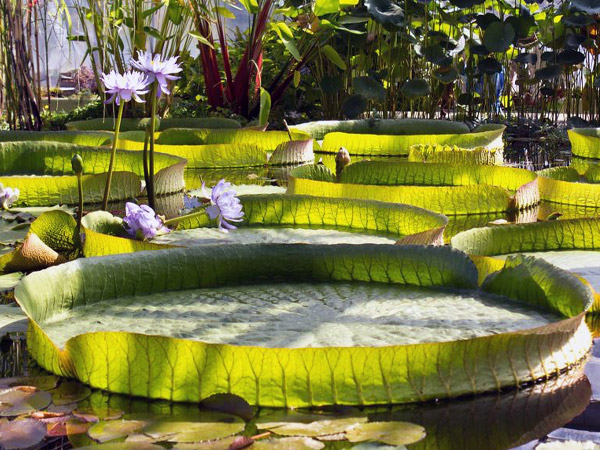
280, 218
53, 181
565, 185
489, 136
585, 142
219, 148
445, 188
569, 244
454, 154
319, 129
302, 368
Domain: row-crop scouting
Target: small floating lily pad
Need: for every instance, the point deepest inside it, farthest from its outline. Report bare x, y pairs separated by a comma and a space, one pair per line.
392, 433
43, 383
110, 430
22, 400
288, 443
70, 392
122, 446
20, 434
216, 426
312, 429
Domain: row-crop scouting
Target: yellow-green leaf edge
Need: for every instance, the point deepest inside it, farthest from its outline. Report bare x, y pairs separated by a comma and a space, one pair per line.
451, 189
569, 234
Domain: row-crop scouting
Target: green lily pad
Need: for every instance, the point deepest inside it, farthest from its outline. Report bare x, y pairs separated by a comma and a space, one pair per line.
9, 281
122, 446
489, 66
354, 106
498, 36
578, 20
218, 444
446, 74
392, 433
12, 320
415, 88
369, 88
105, 431
288, 443
570, 57
334, 377
588, 6
20, 434
22, 400
549, 72
313, 429
435, 54
216, 426
43, 383
70, 392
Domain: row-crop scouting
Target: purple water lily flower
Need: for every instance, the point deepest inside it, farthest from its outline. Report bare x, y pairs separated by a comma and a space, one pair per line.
157, 69
130, 85
8, 196
225, 205
142, 222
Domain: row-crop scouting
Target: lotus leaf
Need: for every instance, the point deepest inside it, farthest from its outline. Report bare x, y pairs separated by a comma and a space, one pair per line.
392, 145
193, 369
415, 88
369, 88
498, 36
444, 188
354, 106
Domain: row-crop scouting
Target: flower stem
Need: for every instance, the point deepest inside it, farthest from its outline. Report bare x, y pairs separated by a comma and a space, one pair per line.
150, 185
80, 205
145, 157
112, 157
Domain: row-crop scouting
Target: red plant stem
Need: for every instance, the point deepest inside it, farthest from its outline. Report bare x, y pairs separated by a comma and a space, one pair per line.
226, 62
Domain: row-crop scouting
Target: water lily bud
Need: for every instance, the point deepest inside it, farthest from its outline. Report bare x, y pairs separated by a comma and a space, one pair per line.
77, 164
144, 124
342, 159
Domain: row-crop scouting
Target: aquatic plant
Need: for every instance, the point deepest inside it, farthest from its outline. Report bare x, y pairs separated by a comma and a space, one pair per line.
142, 222
193, 369
8, 196
224, 205
159, 71
122, 88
